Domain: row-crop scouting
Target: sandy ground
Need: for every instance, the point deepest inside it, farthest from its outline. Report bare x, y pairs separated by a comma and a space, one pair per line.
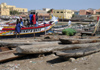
52, 62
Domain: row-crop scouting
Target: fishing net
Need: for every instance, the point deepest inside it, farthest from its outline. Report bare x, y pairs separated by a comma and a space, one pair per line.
68, 32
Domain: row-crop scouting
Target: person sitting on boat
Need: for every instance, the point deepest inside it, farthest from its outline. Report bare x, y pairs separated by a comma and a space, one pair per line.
17, 28
31, 18
27, 22
50, 22
44, 20
34, 19
21, 23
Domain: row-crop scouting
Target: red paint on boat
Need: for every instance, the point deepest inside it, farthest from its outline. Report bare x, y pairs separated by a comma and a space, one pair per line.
28, 27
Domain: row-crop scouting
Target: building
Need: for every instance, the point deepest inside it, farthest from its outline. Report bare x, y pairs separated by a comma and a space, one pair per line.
76, 12
63, 14
97, 12
41, 14
46, 9
12, 8
90, 12
86, 12
4, 11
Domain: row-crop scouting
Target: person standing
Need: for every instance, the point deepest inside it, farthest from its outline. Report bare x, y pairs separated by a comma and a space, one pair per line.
34, 23
36, 20
31, 18
17, 28
69, 23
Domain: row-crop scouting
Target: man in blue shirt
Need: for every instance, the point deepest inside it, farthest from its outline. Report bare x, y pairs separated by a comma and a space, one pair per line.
18, 28
31, 18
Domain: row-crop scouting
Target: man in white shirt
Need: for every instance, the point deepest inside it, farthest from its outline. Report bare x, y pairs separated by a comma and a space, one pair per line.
69, 23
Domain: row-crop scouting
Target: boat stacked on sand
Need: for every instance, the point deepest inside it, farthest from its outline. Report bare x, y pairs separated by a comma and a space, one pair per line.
40, 29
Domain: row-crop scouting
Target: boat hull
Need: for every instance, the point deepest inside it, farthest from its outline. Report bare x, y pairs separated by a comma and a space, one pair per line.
41, 29
25, 35
26, 32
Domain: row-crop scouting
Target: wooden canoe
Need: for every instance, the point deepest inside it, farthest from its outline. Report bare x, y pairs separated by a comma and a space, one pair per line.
45, 48
77, 41
7, 54
78, 52
14, 44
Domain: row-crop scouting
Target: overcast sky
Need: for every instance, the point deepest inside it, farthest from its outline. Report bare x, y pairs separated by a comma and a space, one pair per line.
55, 4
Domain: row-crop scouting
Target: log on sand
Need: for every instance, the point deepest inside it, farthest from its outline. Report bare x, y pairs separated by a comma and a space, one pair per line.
78, 41
34, 49
78, 52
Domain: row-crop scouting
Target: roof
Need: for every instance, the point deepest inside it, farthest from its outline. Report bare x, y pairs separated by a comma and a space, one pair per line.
41, 11
41, 14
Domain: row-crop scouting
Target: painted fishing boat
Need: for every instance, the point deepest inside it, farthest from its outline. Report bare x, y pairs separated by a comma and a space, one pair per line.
29, 31
7, 24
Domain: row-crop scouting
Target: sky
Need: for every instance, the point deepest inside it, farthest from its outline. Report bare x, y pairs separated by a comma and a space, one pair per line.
55, 4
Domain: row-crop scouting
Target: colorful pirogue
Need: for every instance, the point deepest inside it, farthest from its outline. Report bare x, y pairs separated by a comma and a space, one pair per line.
40, 29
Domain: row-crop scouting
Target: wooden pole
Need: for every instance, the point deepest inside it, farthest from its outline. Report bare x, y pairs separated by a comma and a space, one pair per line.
45, 29
16, 35
19, 35
34, 31
96, 27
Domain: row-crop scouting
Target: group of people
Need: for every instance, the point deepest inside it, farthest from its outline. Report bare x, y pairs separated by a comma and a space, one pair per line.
33, 22
34, 19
